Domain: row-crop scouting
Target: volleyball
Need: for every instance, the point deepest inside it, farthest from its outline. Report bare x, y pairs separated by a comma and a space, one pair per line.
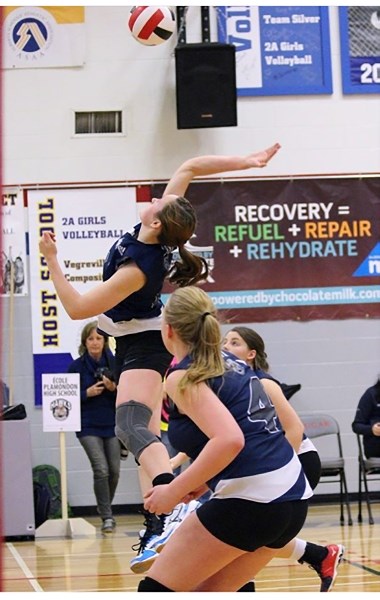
151, 25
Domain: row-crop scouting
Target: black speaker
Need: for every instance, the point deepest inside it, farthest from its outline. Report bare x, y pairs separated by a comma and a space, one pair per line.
205, 85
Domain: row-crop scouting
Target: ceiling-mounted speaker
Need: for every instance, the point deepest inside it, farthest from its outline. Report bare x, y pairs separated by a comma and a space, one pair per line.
206, 85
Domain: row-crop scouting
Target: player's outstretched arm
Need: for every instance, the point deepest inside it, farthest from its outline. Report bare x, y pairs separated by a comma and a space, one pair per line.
211, 164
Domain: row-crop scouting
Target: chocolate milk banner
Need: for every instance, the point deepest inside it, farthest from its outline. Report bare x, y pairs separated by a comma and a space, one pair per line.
290, 250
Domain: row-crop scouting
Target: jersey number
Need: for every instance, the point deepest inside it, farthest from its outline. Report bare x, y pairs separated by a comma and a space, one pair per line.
260, 407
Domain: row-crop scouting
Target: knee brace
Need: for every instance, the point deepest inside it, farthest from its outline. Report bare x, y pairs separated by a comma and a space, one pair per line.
132, 421
151, 585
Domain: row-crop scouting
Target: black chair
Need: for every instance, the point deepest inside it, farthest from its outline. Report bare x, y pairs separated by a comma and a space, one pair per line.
332, 467
369, 470
290, 389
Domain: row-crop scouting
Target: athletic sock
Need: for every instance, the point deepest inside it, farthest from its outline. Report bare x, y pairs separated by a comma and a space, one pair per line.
162, 479
247, 587
299, 549
314, 554
151, 585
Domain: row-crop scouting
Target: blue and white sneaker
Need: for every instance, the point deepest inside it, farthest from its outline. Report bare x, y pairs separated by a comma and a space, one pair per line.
172, 522
154, 526
151, 544
143, 561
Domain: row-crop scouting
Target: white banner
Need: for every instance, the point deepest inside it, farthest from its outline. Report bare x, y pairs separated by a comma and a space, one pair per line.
61, 402
13, 252
86, 222
36, 36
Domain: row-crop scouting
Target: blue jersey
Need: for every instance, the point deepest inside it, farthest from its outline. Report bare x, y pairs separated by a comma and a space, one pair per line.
154, 260
306, 444
267, 469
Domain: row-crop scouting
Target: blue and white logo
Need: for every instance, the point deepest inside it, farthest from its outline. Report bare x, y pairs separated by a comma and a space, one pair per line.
29, 33
370, 267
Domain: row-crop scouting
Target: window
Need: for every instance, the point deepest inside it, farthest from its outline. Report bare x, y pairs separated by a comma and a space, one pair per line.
98, 122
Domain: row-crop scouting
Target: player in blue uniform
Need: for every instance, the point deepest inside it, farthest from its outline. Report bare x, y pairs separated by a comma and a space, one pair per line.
224, 420
248, 345
130, 303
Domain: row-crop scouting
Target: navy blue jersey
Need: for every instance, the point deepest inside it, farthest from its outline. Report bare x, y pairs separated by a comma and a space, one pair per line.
267, 469
306, 444
154, 260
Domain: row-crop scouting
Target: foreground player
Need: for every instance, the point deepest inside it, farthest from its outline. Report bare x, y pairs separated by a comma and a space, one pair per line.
225, 422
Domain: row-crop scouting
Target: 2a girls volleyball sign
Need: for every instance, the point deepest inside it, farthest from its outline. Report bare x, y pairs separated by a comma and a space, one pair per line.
85, 222
279, 49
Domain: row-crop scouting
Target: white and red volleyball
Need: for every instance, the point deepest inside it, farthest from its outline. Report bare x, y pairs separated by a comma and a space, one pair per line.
151, 25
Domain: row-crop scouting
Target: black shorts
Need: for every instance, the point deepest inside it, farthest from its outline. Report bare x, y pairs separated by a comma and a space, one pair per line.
250, 525
144, 350
311, 464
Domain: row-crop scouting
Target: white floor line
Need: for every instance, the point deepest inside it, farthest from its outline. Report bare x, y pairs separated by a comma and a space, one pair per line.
28, 574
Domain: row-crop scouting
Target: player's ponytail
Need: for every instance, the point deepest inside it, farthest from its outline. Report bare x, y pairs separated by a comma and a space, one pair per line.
178, 222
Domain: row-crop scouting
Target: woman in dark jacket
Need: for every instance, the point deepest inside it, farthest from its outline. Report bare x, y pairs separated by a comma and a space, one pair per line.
367, 420
95, 366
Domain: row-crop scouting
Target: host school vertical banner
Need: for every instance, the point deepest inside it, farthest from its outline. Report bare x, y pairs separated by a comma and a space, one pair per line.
86, 223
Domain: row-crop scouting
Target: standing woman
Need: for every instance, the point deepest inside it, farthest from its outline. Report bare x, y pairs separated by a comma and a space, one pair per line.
95, 366
129, 299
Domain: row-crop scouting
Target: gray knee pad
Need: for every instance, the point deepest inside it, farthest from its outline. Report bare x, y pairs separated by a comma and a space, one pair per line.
132, 420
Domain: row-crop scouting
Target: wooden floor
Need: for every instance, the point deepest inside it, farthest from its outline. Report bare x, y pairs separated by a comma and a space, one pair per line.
101, 563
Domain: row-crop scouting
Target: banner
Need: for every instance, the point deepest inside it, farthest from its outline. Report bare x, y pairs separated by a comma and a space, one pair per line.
36, 36
360, 49
280, 50
301, 250
13, 241
86, 222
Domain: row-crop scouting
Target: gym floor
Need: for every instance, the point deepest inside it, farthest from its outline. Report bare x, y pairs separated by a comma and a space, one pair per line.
101, 563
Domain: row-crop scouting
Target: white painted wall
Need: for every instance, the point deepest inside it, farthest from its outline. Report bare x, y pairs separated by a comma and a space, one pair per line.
334, 360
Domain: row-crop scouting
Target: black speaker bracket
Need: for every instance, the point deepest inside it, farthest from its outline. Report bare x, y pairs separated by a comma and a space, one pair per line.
205, 23
181, 24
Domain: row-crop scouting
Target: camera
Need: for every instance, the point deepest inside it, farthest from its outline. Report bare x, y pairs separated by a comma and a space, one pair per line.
103, 371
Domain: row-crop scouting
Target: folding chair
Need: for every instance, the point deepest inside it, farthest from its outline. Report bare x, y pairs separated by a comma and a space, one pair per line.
369, 470
332, 467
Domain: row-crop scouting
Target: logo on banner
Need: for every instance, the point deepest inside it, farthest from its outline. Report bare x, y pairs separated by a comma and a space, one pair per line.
370, 267
60, 408
30, 32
